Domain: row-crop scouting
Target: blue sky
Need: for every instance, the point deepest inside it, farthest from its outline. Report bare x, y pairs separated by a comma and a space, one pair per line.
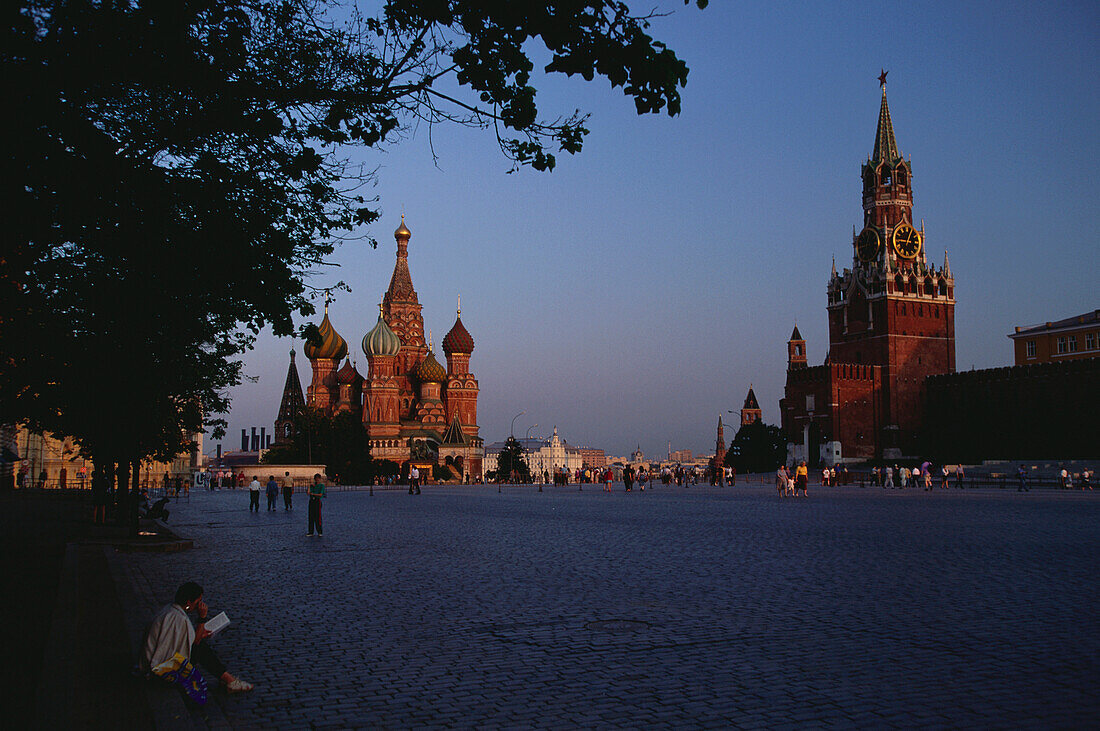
632, 295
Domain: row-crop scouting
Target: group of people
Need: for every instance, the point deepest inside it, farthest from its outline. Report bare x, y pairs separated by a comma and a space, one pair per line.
923, 476
792, 482
316, 493
272, 489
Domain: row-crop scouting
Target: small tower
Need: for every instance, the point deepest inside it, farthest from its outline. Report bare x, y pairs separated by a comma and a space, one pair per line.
349, 384
460, 390
796, 351
750, 410
382, 397
429, 408
720, 446
292, 405
325, 354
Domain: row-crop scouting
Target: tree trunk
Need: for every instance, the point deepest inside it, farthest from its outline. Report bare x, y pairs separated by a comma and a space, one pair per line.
135, 491
122, 473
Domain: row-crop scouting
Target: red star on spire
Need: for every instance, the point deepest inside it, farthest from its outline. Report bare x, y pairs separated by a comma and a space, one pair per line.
882, 77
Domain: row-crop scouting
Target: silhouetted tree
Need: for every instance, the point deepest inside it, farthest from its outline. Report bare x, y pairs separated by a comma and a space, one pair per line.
758, 447
178, 168
511, 463
339, 442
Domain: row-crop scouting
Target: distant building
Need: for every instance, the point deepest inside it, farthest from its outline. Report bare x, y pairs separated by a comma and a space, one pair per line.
541, 455
680, 456
591, 457
1053, 342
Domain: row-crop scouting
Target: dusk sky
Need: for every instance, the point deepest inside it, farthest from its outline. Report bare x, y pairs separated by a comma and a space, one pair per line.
631, 296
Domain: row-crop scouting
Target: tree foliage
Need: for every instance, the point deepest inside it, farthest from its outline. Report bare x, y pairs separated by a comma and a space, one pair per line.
512, 464
179, 169
757, 447
339, 442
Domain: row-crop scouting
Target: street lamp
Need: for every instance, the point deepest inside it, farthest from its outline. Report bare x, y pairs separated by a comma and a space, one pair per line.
526, 440
512, 435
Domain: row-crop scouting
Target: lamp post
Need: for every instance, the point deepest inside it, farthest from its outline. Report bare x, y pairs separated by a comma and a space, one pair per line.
512, 435
525, 452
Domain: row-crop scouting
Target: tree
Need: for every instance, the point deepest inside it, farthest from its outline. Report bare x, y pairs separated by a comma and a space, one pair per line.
339, 442
758, 447
179, 169
511, 463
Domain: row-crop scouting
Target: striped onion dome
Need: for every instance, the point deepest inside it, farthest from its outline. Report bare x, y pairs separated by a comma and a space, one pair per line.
429, 370
458, 340
348, 374
330, 347
381, 340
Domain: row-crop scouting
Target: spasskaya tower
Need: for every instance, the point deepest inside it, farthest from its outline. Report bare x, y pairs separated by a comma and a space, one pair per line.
891, 324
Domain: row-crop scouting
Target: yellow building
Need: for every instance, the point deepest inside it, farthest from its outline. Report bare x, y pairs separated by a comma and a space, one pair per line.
1070, 339
64, 467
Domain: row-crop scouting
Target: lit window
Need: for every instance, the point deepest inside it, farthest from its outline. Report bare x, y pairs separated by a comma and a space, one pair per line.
1030, 348
1061, 345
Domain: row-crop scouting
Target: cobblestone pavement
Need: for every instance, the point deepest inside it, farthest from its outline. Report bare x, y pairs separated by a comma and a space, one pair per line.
700, 607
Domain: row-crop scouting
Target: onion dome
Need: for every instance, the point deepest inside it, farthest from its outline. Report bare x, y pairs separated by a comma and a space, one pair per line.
330, 345
402, 231
429, 370
458, 340
381, 340
348, 374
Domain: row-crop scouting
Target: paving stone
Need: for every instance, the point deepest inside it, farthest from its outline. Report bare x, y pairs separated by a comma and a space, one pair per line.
701, 608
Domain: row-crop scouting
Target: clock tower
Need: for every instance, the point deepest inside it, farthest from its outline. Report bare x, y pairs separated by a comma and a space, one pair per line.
892, 308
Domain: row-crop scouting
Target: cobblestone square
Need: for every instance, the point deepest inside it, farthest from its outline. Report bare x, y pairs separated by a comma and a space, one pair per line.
674, 607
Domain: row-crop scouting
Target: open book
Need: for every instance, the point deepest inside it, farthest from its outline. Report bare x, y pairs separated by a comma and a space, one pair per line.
217, 623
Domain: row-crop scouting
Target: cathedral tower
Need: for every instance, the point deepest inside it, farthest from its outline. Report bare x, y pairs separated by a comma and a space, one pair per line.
402, 312
291, 406
325, 354
461, 389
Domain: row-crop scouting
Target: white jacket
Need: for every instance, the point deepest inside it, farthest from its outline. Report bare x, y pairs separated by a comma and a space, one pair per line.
170, 632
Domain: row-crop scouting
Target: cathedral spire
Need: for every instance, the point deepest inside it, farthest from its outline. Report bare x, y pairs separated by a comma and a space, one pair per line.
886, 148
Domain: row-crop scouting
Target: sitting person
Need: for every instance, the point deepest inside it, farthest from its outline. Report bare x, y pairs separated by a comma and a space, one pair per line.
172, 632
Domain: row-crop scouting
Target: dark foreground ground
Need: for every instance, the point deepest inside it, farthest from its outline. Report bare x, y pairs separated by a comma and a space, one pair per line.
700, 607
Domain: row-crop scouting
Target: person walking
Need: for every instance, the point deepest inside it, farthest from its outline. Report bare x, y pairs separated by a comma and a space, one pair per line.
254, 494
272, 493
1021, 475
316, 495
889, 481
781, 480
288, 491
959, 476
628, 479
801, 477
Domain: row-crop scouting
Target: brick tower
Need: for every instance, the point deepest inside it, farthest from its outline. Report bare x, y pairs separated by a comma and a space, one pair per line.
401, 310
750, 410
291, 406
891, 325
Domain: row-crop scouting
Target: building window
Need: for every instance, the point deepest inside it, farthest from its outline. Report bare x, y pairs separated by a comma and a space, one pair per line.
1073, 343
810, 403
1061, 345
1090, 341
1030, 348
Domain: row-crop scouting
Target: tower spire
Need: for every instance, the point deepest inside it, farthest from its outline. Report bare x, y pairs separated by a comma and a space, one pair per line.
886, 148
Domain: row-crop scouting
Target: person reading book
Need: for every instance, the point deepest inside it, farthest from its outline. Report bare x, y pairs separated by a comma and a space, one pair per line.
171, 632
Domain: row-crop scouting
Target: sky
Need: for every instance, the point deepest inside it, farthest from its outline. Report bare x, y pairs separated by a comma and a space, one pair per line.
630, 297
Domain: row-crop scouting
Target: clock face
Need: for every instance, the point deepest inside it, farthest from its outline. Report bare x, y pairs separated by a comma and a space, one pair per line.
868, 244
907, 241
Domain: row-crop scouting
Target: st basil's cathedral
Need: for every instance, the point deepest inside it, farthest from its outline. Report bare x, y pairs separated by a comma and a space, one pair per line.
416, 412
891, 326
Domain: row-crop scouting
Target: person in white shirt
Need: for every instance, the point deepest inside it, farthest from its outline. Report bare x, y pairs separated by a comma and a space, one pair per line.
254, 494
171, 632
